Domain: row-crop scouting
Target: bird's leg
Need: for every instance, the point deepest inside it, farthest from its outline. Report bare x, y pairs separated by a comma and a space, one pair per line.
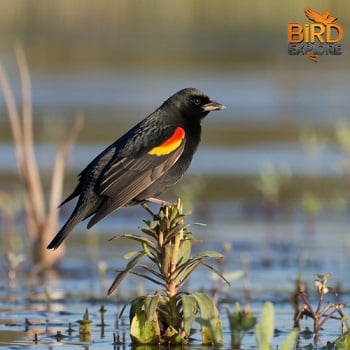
149, 211
161, 202
156, 201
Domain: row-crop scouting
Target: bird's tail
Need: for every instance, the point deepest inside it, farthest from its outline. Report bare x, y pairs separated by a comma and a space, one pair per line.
64, 231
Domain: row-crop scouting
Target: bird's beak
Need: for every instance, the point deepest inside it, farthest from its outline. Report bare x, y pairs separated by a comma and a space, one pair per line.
213, 106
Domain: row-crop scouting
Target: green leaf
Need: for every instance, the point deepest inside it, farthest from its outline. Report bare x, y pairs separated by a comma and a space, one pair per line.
267, 323
165, 258
130, 255
148, 252
171, 336
216, 271
189, 312
265, 328
209, 320
149, 232
142, 329
150, 306
153, 224
138, 238
290, 341
171, 233
173, 214
184, 251
231, 275
183, 271
149, 278
208, 254
129, 267
132, 304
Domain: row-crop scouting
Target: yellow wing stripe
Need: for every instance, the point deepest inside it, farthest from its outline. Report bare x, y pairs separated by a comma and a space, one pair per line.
169, 145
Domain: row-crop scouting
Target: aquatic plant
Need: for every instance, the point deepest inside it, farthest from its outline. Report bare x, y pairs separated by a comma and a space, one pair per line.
85, 327
264, 331
167, 316
241, 321
324, 310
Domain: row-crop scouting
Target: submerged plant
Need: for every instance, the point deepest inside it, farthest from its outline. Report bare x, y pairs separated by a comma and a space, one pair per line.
324, 311
167, 316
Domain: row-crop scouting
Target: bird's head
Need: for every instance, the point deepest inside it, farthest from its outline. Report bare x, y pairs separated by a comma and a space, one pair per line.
193, 104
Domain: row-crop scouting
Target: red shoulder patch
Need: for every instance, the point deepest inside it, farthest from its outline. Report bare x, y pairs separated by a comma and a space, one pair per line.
169, 145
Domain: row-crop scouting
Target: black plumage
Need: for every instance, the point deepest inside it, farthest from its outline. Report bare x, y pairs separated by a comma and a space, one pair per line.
137, 167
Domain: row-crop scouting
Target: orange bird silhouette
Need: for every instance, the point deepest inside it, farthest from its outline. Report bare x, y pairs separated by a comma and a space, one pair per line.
323, 17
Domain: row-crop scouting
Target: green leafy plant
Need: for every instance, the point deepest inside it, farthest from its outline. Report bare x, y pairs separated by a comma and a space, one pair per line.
324, 311
342, 343
167, 316
264, 331
241, 321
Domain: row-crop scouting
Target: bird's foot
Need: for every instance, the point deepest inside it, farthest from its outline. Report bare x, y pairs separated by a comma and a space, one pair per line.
161, 202
156, 201
149, 211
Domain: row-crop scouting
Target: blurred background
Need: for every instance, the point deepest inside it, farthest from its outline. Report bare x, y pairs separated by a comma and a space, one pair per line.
274, 164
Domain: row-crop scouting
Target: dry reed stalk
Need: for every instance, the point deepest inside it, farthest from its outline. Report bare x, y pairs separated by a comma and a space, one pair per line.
41, 221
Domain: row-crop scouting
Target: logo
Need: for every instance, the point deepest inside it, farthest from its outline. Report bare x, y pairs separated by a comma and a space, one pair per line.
320, 37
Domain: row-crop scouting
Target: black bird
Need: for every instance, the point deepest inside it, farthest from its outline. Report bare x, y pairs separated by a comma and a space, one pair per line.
150, 157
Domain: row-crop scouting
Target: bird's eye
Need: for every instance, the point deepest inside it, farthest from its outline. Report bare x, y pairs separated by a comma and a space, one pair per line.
197, 101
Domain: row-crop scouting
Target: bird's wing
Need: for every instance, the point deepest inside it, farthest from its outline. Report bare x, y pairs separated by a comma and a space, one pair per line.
129, 175
313, 15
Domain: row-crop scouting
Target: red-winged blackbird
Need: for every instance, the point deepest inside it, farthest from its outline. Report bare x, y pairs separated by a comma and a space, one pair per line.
150, 157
